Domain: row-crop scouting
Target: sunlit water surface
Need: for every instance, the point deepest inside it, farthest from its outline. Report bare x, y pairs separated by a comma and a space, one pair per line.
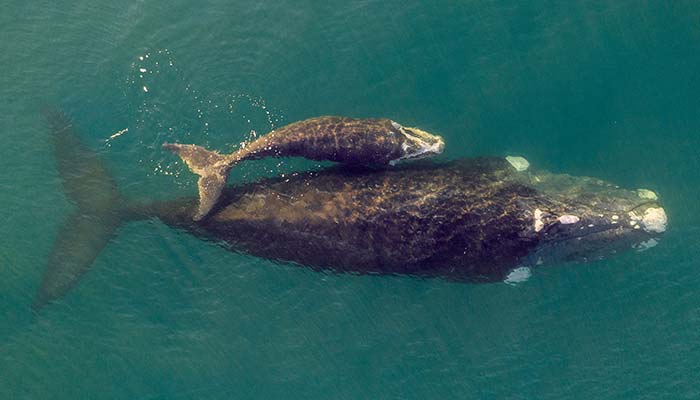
606, 90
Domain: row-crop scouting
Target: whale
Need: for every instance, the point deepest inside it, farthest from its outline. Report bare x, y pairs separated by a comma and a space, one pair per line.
354, 141
490, 219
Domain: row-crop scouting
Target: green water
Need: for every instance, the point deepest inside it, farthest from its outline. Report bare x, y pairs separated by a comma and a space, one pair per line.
606, 89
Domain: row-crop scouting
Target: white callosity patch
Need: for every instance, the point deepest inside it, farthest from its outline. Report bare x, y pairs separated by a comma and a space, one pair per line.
424, 147
654, 220
647, 194
519, 163
518, 275
634, 219
539, 224
568, 219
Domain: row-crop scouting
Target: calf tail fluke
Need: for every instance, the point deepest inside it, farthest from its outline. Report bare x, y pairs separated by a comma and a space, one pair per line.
212, 168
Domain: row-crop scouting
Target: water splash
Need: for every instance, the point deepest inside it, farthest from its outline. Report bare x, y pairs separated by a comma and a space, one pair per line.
166, 105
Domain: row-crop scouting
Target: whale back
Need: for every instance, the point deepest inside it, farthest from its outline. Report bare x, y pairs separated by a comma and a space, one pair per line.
463, 219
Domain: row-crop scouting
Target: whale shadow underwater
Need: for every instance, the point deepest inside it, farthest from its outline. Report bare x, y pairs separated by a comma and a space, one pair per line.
471, 220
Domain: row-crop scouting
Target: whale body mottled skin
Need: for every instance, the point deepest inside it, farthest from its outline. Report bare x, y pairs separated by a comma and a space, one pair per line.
473, 219
342, 139
467, 220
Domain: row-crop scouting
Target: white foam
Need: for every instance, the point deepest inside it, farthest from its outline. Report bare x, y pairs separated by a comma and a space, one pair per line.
118, 133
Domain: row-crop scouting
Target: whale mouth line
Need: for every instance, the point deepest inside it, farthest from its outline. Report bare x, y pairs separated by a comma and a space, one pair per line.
653, 225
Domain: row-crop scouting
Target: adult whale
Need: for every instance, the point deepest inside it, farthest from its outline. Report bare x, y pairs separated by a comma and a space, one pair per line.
469, 220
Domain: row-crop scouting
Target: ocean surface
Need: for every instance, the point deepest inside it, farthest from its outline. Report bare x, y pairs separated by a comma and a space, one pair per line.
604, 89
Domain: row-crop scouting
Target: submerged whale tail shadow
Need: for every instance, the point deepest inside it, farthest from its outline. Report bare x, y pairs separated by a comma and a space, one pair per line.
99, 210
212, 168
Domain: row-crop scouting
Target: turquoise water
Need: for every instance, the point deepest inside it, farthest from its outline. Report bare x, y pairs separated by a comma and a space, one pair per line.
588, 88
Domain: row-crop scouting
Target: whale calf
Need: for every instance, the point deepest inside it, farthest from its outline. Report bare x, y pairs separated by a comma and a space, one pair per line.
341, 139
474, 220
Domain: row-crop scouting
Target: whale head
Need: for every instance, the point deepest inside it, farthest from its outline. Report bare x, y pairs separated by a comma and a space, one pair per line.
580, 219
417, 143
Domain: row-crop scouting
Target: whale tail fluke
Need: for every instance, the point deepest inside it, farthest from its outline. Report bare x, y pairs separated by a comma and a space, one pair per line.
98, 213
212, 168
80, 240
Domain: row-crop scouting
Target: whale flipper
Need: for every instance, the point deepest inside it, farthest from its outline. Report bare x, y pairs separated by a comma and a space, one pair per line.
212, 168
